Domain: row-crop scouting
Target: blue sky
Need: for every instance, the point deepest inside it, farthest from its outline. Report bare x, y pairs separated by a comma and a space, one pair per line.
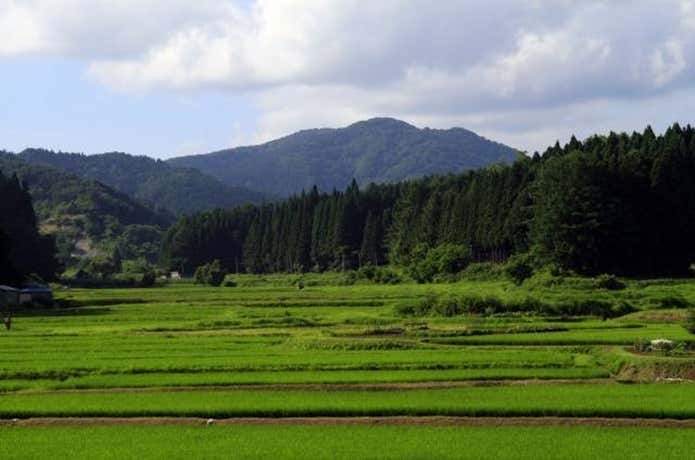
51, 103
172, 77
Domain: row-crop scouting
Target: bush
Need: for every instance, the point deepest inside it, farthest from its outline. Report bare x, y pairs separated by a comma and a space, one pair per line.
481, 305
609, 282
482, 271
519, 268
212, 274
448, 306
426, 263
387, 276
349, 278
427, 305
149, 278
368, 272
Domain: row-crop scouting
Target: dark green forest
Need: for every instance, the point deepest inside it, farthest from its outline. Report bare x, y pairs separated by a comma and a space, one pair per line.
621, 203
23, 251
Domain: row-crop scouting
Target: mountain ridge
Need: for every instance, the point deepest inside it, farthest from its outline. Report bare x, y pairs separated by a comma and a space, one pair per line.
378, 150
86, 216
149, 180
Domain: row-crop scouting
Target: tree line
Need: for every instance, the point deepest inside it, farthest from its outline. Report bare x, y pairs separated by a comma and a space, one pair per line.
620, 203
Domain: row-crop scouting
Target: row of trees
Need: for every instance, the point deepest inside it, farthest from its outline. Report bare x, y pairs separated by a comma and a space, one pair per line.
312, 231
23, 250
619, 203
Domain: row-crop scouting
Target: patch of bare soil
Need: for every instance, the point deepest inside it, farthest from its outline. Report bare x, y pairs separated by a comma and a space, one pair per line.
670, 372
387, 421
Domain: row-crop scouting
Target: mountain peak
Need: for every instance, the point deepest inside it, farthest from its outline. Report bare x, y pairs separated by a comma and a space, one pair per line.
374, 150
382, 123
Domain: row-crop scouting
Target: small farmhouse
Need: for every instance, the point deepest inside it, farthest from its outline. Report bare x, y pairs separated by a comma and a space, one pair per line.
9, 297
36, 294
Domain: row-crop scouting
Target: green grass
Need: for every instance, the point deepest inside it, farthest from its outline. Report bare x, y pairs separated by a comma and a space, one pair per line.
583, 400
268, 332
345, 442
271, 332
599, 336
301, 377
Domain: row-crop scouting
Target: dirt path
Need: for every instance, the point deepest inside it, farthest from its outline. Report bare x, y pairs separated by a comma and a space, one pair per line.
388, 421
328, 386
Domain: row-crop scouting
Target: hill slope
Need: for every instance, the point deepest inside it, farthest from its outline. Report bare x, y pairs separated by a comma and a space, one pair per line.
376, 150
179, 190
86, 216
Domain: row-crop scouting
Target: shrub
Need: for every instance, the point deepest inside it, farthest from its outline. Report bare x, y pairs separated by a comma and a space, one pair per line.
481, 305
609, 282
387, 276
349, 278
519, 268
149, 278
368, 272
482, 271
212, 274
448, 306
445, 259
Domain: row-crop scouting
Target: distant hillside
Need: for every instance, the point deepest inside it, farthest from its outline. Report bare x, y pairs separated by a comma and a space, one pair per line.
377, 150
179, 190
86, 216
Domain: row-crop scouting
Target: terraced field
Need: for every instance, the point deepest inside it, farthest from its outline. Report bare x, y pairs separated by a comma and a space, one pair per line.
268, 370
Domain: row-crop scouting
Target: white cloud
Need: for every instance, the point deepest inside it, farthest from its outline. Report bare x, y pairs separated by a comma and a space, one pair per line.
527, 66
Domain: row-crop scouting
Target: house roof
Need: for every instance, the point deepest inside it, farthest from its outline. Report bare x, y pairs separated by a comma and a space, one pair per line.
8, 288
36, 290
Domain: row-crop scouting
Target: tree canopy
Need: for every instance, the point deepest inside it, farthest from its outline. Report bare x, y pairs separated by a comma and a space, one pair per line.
620, 203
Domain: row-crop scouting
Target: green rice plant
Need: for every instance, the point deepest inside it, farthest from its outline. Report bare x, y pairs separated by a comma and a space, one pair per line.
345, 442
577, 400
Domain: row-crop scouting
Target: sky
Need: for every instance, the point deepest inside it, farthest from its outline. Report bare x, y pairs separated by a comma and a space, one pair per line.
166, 78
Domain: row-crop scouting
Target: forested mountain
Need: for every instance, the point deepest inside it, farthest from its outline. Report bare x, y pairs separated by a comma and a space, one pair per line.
621, 203
84, 214
164, 187
23, 251
380, 150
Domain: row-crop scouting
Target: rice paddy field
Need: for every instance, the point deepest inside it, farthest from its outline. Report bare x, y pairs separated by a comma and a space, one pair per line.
266, 370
